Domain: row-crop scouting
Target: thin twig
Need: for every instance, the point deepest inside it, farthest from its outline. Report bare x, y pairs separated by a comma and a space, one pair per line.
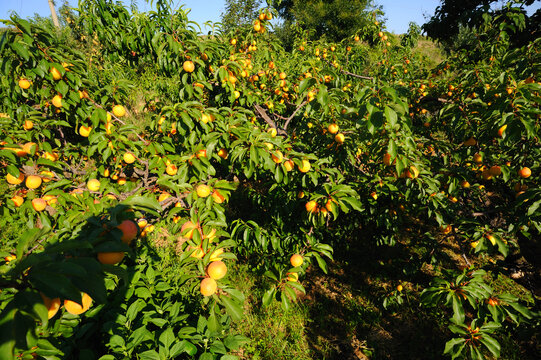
345, 72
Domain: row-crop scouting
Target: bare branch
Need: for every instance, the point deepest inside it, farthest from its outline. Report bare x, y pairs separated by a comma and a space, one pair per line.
294, 113
345, 72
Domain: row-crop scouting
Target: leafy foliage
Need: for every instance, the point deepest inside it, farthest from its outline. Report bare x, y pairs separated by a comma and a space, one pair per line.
237, 147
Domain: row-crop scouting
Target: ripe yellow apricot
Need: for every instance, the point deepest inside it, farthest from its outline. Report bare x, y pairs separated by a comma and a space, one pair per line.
525, 172
57, 101
24, 84
293, 277
217, 270
142, 223
29, 146
56, 74
33, 182
119, 110
110, 258
289, 164
278, 157
17, 200
491, 238
28, 125
501, 130
495, 170
75, 308
93, 184
339, 138
311, 206
206, 118
163, 196
188, 66
52, 305
333, 128
211, 235
171, 169
50, 199
208, 286
189, 227
217, 197
413, 172
15, 180
296, 260
50, 156
129, 158
399, 288
129, 230
223, 153
477, 158
305, 166
203, 190
39, 204
84, 131
201, 153
215, 256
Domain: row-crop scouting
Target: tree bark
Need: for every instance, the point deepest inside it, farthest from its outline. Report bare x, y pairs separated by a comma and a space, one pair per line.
53, 14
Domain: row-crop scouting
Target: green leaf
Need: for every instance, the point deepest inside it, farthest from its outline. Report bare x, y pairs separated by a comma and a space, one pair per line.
391, 116
54, 284
229, 357
27, 238
234, 342
322, 264
232, 308
392, 149
533, 208
13, 170
450, 345
167, 338
146, 203
183, 346
213, 322
491, 344
7, 327
149, 355
21, 51
305, 84
285, 303
323, 96
458, 310
268, 297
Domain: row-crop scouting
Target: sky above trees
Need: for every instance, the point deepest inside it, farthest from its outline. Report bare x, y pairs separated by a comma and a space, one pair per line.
397, 13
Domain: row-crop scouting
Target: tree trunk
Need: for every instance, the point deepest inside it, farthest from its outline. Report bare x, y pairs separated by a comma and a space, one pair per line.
53, 14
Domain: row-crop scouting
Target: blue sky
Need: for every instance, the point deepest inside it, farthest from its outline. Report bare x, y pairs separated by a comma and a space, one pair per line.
398, 12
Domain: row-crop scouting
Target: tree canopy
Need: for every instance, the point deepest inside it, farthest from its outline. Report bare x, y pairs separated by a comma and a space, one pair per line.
335, 19
452, 15
239, 12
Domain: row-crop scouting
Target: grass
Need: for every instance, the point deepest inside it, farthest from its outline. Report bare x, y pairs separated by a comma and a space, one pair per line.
342, 315
430, 52
275, 334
